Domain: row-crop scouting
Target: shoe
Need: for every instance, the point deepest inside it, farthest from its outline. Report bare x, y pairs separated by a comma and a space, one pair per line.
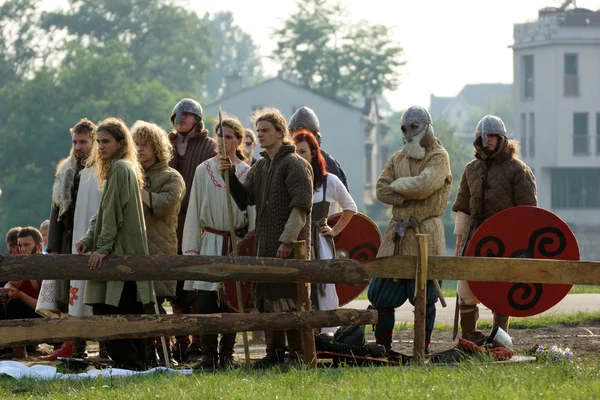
194, 353
66, 350
226, 360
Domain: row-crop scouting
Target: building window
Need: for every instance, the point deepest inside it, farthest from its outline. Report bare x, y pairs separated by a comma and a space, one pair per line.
580, 133
531, 140
597, 133
575, 188
527, 76
571, 78
524, 134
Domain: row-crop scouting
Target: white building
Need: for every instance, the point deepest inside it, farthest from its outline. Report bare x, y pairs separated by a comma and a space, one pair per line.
556, 102
352, 135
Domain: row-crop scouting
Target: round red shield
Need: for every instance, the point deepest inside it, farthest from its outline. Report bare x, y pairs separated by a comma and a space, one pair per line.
359, 241
522, 232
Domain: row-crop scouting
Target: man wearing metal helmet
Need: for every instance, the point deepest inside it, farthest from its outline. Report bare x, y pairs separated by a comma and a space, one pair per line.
494, 181
305, 118
191, 147
416, 182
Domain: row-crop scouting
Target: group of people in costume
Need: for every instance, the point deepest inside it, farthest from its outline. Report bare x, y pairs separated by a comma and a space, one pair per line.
140, 190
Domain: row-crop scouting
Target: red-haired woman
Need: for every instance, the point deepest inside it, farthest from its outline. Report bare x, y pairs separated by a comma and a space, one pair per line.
328, 189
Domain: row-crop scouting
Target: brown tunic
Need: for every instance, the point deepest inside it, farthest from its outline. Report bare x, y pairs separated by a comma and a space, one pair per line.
490, 184
199, 149
276, 187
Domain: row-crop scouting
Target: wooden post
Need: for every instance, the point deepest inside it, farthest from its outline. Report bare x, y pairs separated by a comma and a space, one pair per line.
309, 349
420, 301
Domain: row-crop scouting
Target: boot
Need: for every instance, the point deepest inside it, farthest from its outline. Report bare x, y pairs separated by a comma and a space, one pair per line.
66, 350
275, 341
294, 338
79, 349
161, 356
18, 352
151, 353
226, 344
194, 351
469, 314
179, 350
384, 330
209, 358
501, 321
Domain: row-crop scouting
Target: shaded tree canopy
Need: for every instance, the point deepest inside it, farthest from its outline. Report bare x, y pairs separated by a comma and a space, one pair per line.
325, 52
132, 60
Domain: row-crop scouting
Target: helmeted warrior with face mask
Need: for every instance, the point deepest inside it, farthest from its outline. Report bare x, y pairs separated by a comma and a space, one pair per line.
496, 180
191, 147
416, 182
305, 118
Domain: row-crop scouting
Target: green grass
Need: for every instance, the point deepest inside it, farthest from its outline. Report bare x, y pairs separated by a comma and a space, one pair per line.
470, 380
543, 321
449, 290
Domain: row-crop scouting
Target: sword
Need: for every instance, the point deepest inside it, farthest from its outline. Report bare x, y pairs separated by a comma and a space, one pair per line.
238, 285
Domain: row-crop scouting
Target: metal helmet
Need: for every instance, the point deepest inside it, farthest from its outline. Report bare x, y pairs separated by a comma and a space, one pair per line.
186, 105
305, 118
413, 122
490, 125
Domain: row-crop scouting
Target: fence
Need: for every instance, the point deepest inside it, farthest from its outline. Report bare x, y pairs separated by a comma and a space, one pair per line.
254, 269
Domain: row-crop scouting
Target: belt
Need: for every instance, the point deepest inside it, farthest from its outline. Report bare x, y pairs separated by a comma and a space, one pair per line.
226, 239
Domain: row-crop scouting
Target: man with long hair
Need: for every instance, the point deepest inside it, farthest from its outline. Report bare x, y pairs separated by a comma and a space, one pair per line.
207, 232
280, 185
162, 196
191, 147
60, 229
118, 228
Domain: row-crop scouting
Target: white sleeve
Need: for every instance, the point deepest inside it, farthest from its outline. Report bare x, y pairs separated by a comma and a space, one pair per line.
338, 192
190, 241
460, 224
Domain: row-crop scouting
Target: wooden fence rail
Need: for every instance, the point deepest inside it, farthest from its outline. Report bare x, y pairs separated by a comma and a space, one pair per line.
254, 269
39, 330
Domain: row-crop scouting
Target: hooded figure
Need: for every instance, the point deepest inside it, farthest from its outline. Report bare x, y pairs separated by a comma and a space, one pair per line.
494, 181
416, 182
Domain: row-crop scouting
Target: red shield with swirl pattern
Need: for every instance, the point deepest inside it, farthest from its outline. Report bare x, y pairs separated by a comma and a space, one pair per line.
522, 232
359, 241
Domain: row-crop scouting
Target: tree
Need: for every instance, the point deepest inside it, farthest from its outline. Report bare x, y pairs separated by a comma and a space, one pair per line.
235, 53
326, 53
166, 42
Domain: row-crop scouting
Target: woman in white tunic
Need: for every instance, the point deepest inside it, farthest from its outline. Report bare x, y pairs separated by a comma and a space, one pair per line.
206, 232
328, 190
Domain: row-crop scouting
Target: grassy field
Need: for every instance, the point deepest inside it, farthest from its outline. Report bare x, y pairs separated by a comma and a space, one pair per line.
470, 380
449, 290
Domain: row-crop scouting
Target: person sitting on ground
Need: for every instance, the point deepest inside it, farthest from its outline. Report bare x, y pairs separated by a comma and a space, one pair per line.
20, 297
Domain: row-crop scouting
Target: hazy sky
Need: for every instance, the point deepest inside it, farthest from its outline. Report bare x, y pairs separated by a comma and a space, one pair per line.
447, 43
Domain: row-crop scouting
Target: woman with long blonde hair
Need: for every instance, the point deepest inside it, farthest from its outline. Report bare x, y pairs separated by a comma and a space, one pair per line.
118, 228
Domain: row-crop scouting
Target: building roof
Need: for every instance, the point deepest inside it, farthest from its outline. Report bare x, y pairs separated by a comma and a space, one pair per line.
299, 86
477, 95
438, 105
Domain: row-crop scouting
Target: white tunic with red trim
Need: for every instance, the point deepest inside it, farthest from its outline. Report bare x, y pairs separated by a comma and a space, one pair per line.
208, 209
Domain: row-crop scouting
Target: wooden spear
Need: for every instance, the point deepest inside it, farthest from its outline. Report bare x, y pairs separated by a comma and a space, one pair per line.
238, 285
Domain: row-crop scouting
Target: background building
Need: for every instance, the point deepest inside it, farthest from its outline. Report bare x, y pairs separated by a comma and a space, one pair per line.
352, 135
556, 103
